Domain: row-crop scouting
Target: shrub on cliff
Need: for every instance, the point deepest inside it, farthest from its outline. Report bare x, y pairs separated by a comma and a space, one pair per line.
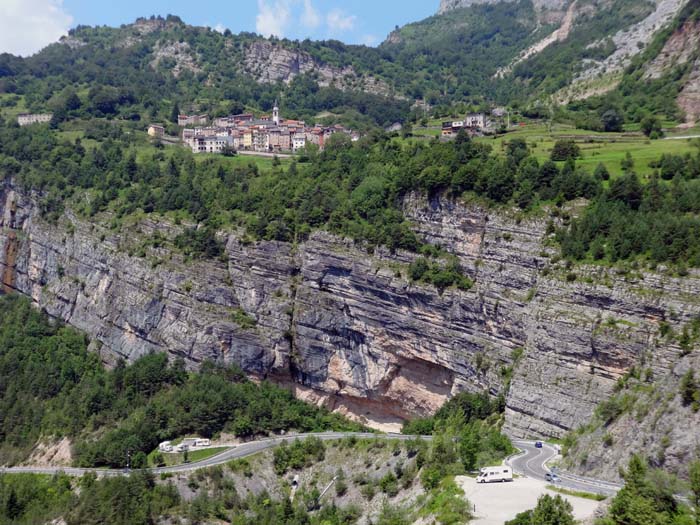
440, 276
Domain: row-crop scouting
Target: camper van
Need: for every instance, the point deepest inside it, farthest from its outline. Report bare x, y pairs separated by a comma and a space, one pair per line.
493, 474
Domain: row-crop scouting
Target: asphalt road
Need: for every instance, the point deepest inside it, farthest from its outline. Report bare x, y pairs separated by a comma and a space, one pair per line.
240, 451
532, 462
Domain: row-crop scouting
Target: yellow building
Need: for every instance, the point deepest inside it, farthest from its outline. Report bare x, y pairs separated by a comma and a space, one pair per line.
156, 130
248, 139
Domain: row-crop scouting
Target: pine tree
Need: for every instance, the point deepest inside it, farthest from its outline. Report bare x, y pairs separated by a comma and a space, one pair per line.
174, 113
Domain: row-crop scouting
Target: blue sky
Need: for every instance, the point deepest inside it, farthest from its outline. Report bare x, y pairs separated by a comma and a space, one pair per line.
28, 25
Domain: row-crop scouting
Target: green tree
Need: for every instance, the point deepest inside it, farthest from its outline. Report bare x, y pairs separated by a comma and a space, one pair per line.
601, 172
651, 125
690, 393
174, 113
694, 478
612, 120
553, 511
550, 510
565, 149
641, 502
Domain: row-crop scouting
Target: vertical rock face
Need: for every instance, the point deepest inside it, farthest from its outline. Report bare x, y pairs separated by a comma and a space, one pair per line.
348, 329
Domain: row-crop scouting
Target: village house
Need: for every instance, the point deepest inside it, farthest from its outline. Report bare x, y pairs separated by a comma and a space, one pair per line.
26, 119
261, 140
192, 120
475, 120
285, 141
274, 139
156, 130
236, 139
452, 127
209, 143
473, 123
298, 141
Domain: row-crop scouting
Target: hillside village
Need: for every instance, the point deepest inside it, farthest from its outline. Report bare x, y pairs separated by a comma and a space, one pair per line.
245, 132
274, 134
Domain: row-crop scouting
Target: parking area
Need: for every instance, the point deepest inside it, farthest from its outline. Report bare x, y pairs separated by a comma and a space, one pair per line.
497, 503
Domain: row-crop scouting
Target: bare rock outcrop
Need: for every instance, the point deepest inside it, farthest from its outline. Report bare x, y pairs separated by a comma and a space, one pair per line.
184, 58
689, 97
269, 62
628, 43
348, 329
680, 49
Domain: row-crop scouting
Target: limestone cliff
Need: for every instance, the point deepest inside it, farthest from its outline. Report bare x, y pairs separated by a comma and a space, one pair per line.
268, 62
348, 329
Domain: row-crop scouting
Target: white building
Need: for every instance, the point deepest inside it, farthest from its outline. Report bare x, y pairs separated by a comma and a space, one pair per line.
261, 140
298, 141
25, 119
475, 120
209, 144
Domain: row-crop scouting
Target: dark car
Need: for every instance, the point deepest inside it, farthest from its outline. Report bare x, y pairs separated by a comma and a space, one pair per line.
538, 444
551, 477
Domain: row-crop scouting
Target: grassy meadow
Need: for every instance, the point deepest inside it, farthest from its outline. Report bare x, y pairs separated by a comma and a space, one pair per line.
607, 148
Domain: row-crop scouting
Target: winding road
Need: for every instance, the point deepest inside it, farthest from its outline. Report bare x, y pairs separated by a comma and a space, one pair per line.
237, 452
530, 461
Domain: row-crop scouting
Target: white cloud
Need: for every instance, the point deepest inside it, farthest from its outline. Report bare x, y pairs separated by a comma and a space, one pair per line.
339, 21
219, 28
310, 17
273, 17
26, 26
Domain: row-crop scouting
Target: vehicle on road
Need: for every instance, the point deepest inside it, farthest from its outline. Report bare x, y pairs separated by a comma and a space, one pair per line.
551, 477
495, 474
538, 444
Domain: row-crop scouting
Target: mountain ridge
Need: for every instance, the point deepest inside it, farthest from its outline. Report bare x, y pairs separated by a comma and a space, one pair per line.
482, 52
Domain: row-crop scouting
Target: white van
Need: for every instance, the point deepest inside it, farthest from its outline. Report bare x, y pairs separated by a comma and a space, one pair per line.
493, 474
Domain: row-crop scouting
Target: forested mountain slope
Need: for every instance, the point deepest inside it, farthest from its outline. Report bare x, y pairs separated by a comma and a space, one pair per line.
451, 57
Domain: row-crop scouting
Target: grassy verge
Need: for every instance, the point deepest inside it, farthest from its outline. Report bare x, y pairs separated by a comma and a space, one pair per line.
178, 459
577, 493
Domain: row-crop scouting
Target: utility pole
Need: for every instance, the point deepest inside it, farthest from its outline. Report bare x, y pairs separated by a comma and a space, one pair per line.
128, 460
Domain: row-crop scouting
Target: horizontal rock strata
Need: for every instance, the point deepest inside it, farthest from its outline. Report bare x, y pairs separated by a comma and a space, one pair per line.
348, 329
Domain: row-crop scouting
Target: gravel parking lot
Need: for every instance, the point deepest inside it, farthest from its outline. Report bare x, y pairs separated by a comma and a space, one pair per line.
497, 503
